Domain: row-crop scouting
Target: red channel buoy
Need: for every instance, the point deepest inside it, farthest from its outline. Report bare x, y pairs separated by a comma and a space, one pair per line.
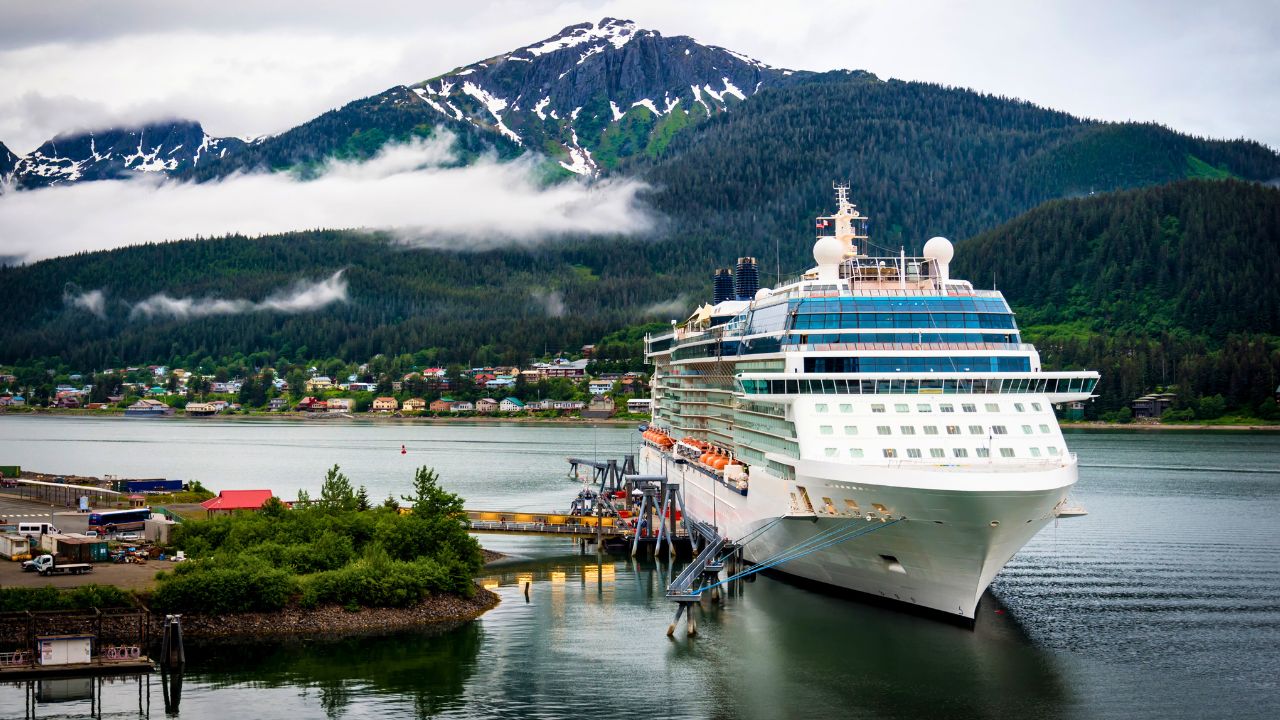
403, 451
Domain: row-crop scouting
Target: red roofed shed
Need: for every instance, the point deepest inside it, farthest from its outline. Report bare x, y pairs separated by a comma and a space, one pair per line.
229, 501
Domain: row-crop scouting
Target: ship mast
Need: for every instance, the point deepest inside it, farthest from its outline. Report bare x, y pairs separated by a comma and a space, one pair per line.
850, 225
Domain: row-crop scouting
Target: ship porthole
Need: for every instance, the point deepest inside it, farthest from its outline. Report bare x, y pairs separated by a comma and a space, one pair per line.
995, 523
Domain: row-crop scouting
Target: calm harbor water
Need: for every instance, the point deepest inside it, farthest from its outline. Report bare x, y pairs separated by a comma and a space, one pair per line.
1163, 602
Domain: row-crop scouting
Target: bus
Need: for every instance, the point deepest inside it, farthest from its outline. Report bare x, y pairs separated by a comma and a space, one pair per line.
119, 520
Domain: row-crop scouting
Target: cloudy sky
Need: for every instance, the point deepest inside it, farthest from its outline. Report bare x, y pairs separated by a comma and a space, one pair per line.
249, 68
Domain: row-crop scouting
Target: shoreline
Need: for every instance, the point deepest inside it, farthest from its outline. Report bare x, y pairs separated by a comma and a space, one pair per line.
338, 417
1156, 427
437, 613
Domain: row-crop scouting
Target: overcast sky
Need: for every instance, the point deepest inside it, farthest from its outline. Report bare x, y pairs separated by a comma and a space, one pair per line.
246, 67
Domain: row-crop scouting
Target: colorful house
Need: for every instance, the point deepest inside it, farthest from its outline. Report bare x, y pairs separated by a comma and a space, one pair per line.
231, 501
385, 404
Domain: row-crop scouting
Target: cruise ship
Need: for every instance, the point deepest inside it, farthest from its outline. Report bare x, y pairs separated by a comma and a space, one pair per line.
872, 390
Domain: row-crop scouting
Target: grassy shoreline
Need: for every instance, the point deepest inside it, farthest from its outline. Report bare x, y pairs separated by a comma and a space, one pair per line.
337, 417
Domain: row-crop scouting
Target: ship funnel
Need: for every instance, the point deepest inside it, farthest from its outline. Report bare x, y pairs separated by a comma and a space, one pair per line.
723, 286
747, 281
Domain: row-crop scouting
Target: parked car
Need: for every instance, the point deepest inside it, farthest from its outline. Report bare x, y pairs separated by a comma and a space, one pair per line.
91, 533
128, 536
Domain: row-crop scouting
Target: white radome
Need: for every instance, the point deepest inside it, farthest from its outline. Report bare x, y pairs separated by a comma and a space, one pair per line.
940, 249
828, 251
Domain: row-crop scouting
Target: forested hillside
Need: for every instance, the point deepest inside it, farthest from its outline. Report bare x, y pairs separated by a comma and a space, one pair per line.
922, 159
1173, 285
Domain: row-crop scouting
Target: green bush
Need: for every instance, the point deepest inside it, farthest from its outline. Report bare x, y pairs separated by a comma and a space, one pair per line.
212, 587
50, 598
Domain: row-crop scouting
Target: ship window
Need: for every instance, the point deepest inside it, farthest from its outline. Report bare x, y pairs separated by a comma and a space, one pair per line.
969, 407
902, 407
850, 429
877, 408
953, 429
1019, 407
829, 506
846, 408
1053, 450
975, 429
820, 407
983, 452
913, 452
937, 452
930, 429
947, 407
824, 429
1006, 452
890, 453
907, 429
924, 407
855, 452
1026, 429
884, 430
829, 452
1036, 407
993, 407
998, 430
851, 505
1035, 452
1044, 428
961, 452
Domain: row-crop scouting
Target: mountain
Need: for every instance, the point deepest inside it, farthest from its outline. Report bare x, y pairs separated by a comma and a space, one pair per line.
162, 147
1166, 286
7, 162
599, 92
589, 97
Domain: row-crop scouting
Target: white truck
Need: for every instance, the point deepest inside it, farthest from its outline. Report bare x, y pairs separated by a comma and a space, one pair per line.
46, 565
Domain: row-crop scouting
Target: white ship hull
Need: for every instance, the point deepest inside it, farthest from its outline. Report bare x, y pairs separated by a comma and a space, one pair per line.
942, 555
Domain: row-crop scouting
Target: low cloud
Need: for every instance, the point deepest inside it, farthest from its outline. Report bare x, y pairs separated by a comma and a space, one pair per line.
552, 302
93, 301
302, 297
410, 189
673, 308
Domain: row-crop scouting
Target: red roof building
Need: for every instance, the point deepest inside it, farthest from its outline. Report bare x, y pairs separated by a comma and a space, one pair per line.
229, 501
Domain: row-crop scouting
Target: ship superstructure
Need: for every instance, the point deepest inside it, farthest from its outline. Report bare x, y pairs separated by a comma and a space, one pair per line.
871, 388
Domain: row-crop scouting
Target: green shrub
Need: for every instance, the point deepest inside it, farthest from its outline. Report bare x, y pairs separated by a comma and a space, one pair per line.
50, 598
207, 586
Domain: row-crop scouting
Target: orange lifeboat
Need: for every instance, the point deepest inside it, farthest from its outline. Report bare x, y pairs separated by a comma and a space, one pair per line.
720, 462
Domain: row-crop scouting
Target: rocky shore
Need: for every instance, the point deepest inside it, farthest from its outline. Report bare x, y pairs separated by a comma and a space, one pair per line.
335, 621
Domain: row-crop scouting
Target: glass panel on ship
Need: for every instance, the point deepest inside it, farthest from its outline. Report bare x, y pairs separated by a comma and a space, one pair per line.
872, 372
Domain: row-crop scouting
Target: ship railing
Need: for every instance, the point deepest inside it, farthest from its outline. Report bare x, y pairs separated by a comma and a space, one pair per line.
911, 346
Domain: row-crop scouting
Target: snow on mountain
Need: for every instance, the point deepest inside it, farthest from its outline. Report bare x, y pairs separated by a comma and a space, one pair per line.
7, 162
162, 147
598, 92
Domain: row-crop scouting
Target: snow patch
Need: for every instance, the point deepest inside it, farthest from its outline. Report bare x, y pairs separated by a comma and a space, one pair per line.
647, 103
731, 89
616, 32
540, 107
574, 115
717, 96
422, 94
594, 50
671, 104
697, 97
494, 105
617, 114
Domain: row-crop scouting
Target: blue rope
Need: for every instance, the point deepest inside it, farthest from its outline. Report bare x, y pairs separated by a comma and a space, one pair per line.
794, 553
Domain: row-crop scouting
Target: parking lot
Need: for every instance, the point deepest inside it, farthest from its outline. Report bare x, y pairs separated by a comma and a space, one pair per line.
125, 575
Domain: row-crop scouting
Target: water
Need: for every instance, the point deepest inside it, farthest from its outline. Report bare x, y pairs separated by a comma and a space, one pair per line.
1163, 602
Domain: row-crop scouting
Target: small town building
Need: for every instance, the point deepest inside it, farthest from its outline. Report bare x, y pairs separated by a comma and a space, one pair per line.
277, 404
385, 404
486, 405
601, 406
231, 501
600, 387
318, 383
510, 405
442, 405
463, 406
196, 409
414, 405
1152, 406
310, 404
341, 405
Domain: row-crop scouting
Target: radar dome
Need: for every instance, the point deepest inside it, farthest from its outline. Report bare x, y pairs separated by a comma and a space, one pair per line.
828, 251
940, 250
763, 293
